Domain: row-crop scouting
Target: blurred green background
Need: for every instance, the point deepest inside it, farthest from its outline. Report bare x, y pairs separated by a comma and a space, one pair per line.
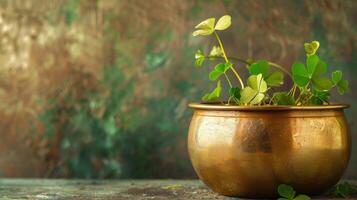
99, 88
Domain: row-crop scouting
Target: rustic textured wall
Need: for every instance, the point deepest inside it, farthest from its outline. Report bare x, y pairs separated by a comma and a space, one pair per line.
98, 88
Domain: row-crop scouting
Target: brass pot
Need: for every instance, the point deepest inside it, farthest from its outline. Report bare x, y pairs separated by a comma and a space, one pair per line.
247, 151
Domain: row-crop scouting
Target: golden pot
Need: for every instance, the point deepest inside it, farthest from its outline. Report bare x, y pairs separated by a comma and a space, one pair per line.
247, 151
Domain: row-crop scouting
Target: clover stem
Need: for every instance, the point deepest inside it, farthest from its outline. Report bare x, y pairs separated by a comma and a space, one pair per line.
302, 92
307, 99
292, 90
229, 82
226, 59
232, 58
272, 98
281, 68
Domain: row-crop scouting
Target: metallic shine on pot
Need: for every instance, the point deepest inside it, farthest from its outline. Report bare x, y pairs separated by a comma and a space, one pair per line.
248, 151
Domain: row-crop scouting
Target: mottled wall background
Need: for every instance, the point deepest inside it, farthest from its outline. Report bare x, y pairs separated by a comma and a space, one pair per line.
99, 88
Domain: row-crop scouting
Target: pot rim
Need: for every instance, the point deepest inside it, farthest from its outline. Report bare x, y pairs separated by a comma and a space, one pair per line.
219, 107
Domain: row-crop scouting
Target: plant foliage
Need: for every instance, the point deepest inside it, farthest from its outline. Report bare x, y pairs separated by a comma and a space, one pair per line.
288, 193
344, 190
311, 83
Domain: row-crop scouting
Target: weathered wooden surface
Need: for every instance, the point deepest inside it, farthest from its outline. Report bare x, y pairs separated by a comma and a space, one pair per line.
117, 189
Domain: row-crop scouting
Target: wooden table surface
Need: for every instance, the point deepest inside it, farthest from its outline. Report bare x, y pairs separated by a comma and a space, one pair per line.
108, 189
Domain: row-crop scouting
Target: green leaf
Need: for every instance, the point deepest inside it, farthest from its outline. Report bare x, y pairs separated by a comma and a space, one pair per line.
342, 87
311, 63
300, 74
322, 84
282, 98
311, 48
336, 77
206, 27
206, 24
216, 51
286, 191
213, 75
200, 58
234, 93
254, 92
319, 97
223, 23
320, 69
275, 79
260, 67
302, 197
250, 96
257, 83
202, 32
345, 190
215, 94
219, 69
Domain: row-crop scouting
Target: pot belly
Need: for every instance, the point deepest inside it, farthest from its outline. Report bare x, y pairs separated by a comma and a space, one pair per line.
248, 154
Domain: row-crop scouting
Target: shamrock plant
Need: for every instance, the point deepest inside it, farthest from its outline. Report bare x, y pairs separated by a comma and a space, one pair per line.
344, 190
288, 193
311, 85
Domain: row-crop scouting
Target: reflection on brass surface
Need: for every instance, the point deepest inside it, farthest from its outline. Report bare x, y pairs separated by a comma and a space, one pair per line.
249, 151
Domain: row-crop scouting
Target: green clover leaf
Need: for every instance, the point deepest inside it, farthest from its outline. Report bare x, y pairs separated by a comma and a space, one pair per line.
311, 48
223, 23
336, 76
302, 197
344, 190
311, 63
286, 191
275, 79
262, 67
300, 74
283, 98
216, 51
218, 70
215, 94
289, 193
312, 72
254, 93
320, 69
259, 67
206, 27
342, 85
234, 93
200, 58
322, 84
319, 97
